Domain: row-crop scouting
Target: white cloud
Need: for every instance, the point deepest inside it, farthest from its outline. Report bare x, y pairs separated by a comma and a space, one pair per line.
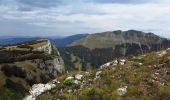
83, 17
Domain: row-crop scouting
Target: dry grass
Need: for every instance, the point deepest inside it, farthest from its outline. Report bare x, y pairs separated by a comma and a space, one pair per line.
2, 79
36, 45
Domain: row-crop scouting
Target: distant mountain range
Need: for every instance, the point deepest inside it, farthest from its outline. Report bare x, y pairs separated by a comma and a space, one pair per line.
58, 41
68, 40
14, 40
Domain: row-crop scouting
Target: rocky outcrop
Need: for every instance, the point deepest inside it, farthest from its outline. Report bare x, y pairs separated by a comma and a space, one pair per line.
52, 67
47, 48
29, 64
38, 89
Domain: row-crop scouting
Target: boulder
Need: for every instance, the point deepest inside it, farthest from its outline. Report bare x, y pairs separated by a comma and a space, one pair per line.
122, 91
38, 89
69, 78
122, 61
76, 82
56, 81
98, 74
78, 77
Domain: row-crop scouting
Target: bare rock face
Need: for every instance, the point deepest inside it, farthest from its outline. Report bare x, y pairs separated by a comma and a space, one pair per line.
52, 67
47, 48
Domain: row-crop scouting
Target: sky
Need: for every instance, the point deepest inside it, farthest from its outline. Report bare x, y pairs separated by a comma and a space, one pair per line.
68, 17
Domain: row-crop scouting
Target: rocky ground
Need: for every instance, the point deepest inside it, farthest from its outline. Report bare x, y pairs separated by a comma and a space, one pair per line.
144, 77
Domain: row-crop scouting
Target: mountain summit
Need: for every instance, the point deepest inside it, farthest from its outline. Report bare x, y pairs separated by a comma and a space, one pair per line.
111, 39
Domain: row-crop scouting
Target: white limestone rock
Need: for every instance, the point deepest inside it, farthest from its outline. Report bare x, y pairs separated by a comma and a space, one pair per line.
69, 78
162, 53
122, 61
140, 64
112, 63
87, 73
76, 82
38, 89
56, 81
98, 74
122, 91
47, 48
79, 77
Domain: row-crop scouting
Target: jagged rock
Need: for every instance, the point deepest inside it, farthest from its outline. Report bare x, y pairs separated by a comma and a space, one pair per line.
113, 63
78, 77
122, 61
140, 64
56, 81
122, 91
69, 78
98, 74
156, 73
52, 66
47, 48
38, 89
70, 90
76, 81
162, 53
87, 73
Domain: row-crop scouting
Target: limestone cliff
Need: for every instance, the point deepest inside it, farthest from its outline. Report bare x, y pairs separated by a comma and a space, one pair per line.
28, 63
47, 47
52, 66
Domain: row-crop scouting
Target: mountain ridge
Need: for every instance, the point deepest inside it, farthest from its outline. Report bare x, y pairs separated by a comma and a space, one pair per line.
68, 40
99, 48
112, 38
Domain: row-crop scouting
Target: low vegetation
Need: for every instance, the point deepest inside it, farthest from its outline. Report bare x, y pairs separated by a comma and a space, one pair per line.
147, 77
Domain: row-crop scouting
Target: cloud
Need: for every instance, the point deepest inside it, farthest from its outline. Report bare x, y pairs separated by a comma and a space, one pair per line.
41, 3
121, 1
50, 17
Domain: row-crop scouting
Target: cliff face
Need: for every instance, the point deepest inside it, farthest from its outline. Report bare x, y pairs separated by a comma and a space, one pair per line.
51, 67
100, 48
25, 64
47, 48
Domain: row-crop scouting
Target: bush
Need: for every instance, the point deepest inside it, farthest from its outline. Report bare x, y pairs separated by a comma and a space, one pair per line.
12, 91
13, 71
92, 94
68, 82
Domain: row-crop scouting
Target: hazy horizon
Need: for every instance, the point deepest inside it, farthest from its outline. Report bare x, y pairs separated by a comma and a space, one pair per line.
63, 36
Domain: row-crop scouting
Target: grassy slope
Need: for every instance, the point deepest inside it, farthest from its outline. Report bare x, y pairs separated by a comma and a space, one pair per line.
142, 81
111, 39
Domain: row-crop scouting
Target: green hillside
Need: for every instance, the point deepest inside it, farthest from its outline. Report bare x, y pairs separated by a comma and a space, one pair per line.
111, 39
146, 78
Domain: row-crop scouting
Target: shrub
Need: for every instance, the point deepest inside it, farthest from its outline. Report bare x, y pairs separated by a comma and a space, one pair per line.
92, 94
13, 71
68, 82
12, 91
